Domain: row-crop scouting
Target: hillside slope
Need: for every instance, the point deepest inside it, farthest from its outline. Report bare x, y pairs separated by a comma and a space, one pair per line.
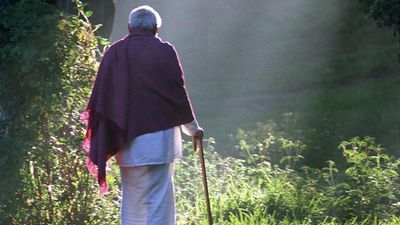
323, 61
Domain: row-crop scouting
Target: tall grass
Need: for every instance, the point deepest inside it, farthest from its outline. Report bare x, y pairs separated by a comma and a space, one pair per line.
259, 192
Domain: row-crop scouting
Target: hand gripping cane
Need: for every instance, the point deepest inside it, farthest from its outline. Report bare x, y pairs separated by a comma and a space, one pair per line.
203, 170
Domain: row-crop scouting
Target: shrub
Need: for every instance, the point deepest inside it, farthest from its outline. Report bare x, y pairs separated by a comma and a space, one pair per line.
256, 192
270, 143
47, 68
371, 184
50, 63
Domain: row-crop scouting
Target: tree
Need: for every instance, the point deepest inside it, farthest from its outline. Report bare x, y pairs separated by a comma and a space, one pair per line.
386, 13
48, 62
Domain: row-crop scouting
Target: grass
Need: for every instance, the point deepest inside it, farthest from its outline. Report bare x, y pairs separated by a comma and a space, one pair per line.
321, 62
250, 192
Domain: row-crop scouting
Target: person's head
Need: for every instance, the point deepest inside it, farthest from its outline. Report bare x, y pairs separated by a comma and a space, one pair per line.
144, 18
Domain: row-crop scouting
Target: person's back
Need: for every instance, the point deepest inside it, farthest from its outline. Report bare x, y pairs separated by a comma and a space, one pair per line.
156, 76
136, 111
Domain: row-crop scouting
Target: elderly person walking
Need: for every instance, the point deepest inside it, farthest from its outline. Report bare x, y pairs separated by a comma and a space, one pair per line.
137, 108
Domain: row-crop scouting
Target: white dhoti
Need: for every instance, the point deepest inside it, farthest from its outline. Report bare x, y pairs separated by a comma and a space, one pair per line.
148, 195
147, 168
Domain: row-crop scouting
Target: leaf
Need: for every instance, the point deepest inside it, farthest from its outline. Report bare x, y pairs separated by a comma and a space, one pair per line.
88, 13
104, 41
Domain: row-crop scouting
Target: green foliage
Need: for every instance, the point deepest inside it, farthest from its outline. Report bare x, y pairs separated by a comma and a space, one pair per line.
384, 12
372, 180
48, 65
270, 142
47, 68
366, 192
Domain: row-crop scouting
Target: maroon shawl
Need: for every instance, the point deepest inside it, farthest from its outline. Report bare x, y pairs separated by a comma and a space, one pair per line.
139, 89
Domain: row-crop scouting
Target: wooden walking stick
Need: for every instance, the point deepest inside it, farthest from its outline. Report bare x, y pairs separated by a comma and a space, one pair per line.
203, 170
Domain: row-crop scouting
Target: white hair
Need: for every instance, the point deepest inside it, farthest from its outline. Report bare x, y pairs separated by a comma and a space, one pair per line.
144, 17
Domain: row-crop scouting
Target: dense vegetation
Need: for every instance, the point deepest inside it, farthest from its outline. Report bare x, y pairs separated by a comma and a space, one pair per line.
385, 13
47, 68
48, 62
257, 191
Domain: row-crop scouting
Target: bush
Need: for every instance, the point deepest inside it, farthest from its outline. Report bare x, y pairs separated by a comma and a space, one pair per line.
272, 143
49, 62
366, 192
48, 65
371, 186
